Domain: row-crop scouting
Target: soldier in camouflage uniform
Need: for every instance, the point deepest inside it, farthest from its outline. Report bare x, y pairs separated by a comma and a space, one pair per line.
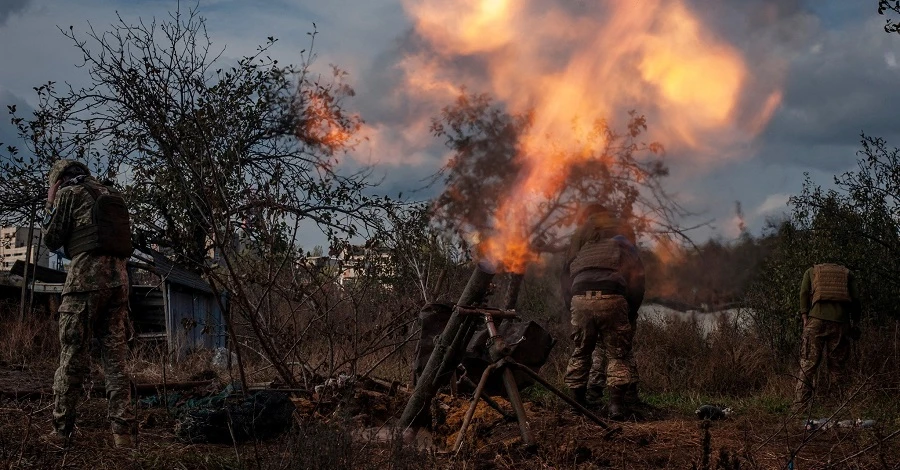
603, 284
829, 306
94, 304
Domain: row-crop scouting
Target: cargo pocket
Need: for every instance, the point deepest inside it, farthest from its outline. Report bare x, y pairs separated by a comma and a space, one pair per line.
804, 345
73, 320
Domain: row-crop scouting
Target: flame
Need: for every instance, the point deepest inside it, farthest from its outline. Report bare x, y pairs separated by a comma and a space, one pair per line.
581, 62
322, 124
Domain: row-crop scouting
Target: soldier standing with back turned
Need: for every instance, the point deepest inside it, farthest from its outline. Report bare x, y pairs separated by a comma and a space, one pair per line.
829, 307
90, 222
603, 284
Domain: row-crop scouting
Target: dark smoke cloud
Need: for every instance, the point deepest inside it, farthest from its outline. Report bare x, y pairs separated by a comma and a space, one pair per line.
9, 7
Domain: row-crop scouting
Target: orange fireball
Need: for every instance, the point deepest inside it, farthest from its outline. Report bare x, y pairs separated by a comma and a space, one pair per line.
580, 62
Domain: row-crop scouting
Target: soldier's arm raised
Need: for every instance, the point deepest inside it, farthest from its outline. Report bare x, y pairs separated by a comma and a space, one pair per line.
57, 222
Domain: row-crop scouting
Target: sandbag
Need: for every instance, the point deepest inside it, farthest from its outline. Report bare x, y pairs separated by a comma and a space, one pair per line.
530, 346
533, 351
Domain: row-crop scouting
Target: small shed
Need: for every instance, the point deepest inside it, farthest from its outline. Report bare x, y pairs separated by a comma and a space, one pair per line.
169, 304
179, 307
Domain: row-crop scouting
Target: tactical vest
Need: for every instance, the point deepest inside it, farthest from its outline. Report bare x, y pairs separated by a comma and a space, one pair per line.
597, 254
109, 232
829, 283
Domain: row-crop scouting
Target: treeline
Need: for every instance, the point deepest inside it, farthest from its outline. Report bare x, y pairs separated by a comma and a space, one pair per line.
856, 224
710, 276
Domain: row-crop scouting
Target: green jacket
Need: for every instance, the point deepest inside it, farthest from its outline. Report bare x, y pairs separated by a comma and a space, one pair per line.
826, 310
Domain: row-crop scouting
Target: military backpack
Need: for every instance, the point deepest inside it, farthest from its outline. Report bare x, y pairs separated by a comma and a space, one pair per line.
109, 232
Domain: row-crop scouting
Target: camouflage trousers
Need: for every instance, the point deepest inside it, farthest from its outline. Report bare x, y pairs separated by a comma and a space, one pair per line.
99, 314
826, 341
602, 331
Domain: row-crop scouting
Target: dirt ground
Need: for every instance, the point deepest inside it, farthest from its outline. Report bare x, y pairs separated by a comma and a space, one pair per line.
670, 439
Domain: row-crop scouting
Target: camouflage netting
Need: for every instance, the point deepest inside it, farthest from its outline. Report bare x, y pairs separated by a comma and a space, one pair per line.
226, 417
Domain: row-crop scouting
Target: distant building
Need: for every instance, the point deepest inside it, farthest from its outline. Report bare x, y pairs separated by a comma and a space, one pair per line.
169, 305
14, 246
351, 265
364, 261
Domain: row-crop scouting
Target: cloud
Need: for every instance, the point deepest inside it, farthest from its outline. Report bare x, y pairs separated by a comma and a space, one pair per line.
837, 67
10, 7
843, 85
823, 55
773, 204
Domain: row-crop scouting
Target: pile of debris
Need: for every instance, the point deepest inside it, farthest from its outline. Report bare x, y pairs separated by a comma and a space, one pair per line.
226, 414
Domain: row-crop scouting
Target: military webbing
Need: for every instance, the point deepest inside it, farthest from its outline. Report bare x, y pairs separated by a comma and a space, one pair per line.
109, 232
597, 254
830, 283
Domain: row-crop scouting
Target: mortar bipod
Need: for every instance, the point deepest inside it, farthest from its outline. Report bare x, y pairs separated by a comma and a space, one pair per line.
499, 354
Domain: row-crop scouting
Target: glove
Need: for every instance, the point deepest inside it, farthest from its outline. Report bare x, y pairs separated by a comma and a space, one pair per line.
854, 333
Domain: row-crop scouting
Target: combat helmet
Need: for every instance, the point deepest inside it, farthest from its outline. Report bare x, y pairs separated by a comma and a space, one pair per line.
63, 165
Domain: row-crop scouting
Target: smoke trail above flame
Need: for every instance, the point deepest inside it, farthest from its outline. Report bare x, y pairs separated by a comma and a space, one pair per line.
574, 61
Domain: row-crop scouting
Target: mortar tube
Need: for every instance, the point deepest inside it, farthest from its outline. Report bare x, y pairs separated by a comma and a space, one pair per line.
426, 388
512, 291
448, 362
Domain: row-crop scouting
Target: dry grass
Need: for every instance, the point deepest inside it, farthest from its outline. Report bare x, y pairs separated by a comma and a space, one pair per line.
680, 369
676, 356
33, 343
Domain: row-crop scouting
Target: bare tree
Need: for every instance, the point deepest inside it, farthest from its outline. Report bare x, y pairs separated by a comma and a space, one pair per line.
424, 255
214, 157
891, 25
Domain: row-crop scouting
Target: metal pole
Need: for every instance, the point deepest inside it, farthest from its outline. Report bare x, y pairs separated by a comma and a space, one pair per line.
37, 257
450, 360
499, 351
28, 245
566, 398
512, 392
487, 399
471, 411
512, 291
426, 387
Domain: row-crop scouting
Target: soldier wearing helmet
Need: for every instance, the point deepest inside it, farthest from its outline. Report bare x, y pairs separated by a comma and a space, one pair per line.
89, 221
603, 285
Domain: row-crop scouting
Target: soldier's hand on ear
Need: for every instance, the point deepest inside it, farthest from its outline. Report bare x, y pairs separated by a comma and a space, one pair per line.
51, 193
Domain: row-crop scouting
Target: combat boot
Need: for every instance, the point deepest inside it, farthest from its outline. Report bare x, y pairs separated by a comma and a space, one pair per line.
594, 396
579, 395
617, 409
